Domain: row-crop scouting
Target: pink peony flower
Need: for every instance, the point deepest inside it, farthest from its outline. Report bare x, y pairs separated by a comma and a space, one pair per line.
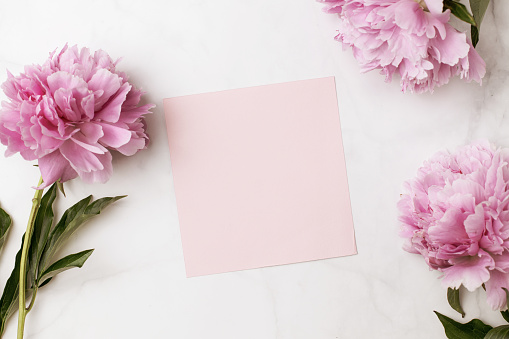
410, 37
333, 6
69, 113
455, 213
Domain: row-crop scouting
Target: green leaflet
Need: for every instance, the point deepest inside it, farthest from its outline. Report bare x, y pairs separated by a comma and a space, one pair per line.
474, 35
45, 242
505, 315
42, 226
478, 8
5, 224
60, 186
460, 11
71, 220
9, 300
453, 297
64, 264
500, 332
474, 329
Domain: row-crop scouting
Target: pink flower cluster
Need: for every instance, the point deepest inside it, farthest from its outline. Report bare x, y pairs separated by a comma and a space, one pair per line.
69, 112
455, 213
409, 37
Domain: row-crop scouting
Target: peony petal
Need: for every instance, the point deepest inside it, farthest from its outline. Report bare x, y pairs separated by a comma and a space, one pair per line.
65, 101
107, 83
54, 167
114, 136
434, 6
495, 295
64, 80
473, 67
131, 115
502, 262
89, 133
467, 188
451, 49
100, 175
133, 146
449, 229
87, 105
81, 159
475, 224
111, 111
471, 272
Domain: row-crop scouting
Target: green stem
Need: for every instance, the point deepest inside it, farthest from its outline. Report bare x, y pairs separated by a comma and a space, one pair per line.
32, 299
23, 311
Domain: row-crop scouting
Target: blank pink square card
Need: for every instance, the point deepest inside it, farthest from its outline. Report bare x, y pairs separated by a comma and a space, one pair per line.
259, 176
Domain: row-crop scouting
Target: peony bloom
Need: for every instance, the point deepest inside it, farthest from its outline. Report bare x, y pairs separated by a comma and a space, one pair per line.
455, 213
69, 113
333, 6
409, 37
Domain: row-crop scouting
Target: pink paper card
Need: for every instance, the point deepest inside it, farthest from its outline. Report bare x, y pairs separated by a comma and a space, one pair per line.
259, 176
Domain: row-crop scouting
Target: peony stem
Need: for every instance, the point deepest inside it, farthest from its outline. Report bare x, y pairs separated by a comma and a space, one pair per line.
23, 311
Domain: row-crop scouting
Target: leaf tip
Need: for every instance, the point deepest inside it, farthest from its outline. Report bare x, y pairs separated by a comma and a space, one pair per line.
60, 186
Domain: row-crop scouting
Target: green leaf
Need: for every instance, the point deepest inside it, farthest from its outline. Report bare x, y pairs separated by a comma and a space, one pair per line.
71, 220
500, 332
9, 300
60, 186
45, 282
505, 314
98, 205
42, 226
460, 11
5, 224
474, 35
478, 8
453, 297
474, 329
45, 242
64, 264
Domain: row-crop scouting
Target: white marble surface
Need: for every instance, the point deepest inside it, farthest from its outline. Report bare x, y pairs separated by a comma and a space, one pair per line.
134, 284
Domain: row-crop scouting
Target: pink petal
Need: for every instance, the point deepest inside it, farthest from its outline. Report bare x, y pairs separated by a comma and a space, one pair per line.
67, 104
81, 159
62, 79
469, 188
434, 6
54, 167
133, 146
111, 111
449, 230
451, 49
88, 136
471, 272
474, 67
106, 82
100, 175
87, 104
476, 223
114, 136
502, 262
495, 295
131, 115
